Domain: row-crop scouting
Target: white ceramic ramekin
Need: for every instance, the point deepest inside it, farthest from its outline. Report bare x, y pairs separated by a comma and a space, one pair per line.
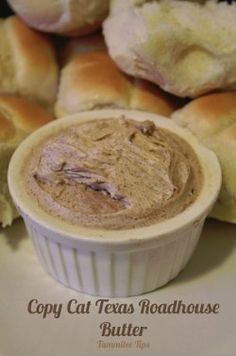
114, 263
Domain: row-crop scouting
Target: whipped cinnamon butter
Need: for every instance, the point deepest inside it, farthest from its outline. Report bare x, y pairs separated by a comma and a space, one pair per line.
114, 174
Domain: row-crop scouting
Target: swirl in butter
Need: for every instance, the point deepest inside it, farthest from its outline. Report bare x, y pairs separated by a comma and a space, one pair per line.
114, 174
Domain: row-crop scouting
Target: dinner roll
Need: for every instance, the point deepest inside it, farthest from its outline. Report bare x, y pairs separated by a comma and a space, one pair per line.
212, 119
18, 118
78, 45
92, 81
27, 63
188, 47
65, 17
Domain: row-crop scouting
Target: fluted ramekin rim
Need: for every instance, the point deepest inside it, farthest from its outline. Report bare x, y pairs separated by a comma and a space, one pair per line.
196, 211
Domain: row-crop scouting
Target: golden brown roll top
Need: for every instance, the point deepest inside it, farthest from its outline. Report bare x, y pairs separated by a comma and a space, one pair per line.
209, 114
212, 119
92, 81
28, 63
18, 118
78, 45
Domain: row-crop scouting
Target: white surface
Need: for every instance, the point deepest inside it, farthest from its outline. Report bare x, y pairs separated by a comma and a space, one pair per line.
210, 277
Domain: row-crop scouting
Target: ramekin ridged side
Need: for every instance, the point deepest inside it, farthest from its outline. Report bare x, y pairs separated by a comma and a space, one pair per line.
112, 273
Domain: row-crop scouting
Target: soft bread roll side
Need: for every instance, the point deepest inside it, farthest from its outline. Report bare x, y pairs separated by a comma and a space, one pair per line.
92, 81
8, 211
212, 119
186, 47
78, 45
225, 148
18, 118
28, 63
209, 114
65, 17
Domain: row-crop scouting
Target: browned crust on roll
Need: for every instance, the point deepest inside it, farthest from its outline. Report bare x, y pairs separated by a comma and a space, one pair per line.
209, 114
34, 68
92, 81
212, 118
20, 116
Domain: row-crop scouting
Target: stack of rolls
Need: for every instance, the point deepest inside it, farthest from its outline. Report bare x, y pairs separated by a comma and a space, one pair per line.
28, 88
90, 80
153, 55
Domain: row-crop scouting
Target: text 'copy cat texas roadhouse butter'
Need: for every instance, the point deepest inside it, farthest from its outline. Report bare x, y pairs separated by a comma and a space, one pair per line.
114, 200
